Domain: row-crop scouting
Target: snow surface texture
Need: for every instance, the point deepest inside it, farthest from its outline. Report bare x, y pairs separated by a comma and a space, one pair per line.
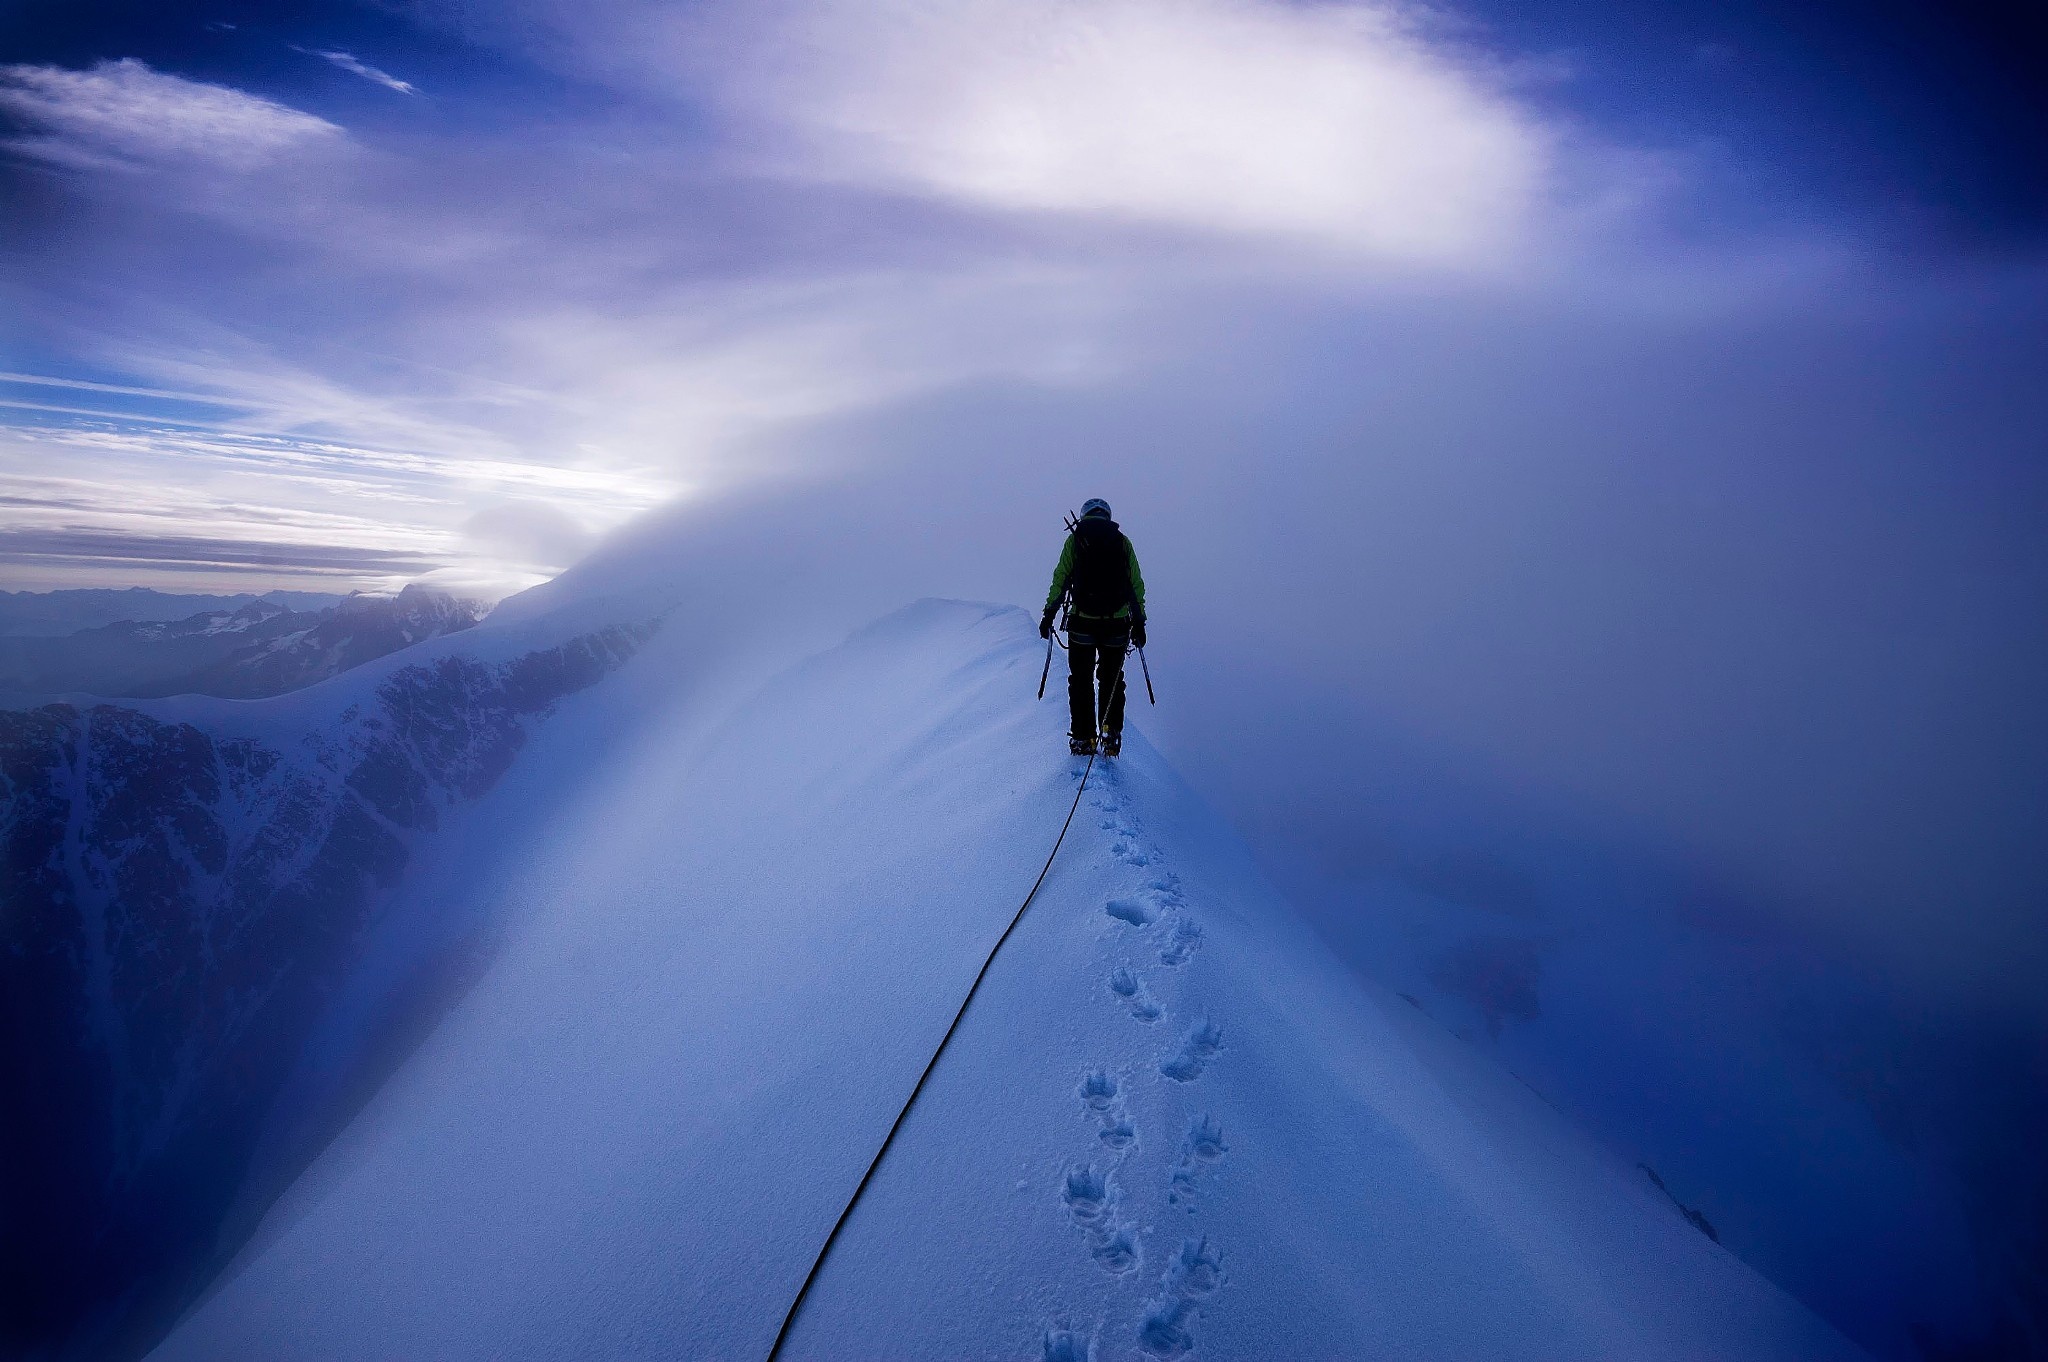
1171, 1125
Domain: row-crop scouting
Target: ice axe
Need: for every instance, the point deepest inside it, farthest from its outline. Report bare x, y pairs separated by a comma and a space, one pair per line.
1141, 664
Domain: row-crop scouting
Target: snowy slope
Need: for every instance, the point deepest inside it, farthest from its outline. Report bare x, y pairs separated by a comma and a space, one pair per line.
1171, 1122
1693, 1049
188, 883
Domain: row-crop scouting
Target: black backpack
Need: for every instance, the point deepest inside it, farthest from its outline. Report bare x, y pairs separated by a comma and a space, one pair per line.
1101, 584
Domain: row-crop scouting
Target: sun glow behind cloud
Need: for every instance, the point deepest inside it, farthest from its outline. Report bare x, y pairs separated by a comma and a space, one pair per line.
97, 496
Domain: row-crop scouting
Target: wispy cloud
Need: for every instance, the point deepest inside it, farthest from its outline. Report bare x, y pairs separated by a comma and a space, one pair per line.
86, 385
354, 65
193, 498
125, 114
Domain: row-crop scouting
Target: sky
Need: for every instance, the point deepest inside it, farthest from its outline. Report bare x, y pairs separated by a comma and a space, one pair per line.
350, 294
1640, 407
1626, 412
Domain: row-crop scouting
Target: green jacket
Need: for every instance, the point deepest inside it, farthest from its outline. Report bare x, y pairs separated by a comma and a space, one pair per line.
1065, 571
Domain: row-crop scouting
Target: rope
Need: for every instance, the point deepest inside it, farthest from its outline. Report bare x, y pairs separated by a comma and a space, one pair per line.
889, 1139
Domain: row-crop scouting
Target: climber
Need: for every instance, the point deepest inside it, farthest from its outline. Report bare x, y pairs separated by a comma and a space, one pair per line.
1098, 578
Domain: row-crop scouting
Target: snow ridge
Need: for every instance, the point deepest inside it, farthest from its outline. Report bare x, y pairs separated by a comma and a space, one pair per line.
1182, 1130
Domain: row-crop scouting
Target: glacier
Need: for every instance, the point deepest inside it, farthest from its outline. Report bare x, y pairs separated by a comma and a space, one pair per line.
734, 894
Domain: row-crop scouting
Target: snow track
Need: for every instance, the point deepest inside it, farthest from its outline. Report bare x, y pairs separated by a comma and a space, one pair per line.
1170, 1126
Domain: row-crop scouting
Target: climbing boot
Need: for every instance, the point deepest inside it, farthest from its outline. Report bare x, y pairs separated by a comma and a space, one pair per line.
1081, 747
1112, 743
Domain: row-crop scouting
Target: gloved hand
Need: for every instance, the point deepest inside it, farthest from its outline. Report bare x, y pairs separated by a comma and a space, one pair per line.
1045, 625
1138, 633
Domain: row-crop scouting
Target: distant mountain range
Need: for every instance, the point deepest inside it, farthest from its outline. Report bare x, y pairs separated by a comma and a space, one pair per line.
235, 647
57, 614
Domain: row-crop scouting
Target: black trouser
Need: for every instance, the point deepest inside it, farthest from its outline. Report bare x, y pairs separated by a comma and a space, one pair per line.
1095, 662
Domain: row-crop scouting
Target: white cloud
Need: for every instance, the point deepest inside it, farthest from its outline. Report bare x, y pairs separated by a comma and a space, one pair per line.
529, 532
123, 113
1336, 125
354, 65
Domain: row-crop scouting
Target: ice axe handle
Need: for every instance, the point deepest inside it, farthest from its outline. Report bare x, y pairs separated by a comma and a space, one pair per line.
1142, 667
1048, 667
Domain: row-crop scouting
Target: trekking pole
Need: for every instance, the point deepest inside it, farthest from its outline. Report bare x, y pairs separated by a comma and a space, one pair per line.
1049, 638
1148, 677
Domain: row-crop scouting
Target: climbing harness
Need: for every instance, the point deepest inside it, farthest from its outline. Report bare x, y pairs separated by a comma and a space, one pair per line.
840, 1224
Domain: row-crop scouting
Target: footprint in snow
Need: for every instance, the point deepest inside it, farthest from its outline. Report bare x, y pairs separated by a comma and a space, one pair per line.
1126, 985
1193, 1276
1200, 1046
1202, 1147
1134, 911
1101, 1094
1117, 1250
1064, 1345
1181, 944
1086, 1193
1091, 1201
1098, 1090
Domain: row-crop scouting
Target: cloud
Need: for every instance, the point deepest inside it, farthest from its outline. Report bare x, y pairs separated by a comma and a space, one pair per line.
605, 306
1321, 123
629, 309
124, 114
354, 65
29, 547
79, 502
529, 532
1339, 126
